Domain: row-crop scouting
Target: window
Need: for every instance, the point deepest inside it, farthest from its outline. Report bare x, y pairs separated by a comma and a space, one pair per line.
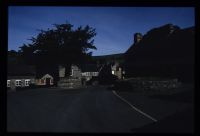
27, 82
113, 72
18, 82
8, 83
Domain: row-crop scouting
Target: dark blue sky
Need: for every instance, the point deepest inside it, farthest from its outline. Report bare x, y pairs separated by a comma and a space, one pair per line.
115, 26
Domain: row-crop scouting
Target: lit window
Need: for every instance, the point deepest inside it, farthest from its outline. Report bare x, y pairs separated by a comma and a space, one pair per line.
113, 72
27, 82
8, 83
18, 82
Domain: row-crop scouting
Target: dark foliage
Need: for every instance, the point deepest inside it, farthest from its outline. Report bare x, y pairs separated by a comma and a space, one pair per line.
14, 58
106, 59
105, 75
59, 46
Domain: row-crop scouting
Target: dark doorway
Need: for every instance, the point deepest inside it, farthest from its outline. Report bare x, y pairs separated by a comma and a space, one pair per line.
48, 81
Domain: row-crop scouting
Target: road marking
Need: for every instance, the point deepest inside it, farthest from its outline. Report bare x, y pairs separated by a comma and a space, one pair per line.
138, 110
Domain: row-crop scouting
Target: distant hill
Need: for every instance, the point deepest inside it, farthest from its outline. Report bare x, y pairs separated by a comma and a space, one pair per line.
164, 51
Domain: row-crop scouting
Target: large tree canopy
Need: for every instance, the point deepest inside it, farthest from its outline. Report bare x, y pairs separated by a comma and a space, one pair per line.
14, 58
60, 45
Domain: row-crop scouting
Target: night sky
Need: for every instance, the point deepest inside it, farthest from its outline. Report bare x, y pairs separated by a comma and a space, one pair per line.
115, 26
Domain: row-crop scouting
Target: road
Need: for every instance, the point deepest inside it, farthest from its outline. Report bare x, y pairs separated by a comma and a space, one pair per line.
93, 109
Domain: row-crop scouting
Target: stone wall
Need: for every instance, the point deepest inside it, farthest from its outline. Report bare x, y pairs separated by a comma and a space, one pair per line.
154, 83
69, 83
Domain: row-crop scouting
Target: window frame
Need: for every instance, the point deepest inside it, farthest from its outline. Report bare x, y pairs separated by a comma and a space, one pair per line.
18, 82
25, 82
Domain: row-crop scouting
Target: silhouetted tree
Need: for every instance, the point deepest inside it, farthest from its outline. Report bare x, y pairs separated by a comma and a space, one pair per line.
106, 76
14, 57
60, 46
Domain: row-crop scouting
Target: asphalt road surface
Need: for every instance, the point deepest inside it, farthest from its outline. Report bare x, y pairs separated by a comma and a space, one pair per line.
93, 109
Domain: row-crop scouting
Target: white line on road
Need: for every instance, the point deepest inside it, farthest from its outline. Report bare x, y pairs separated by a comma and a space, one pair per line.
138, 110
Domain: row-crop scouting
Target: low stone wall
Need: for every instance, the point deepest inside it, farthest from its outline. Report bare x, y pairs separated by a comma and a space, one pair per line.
69, 83
154, 83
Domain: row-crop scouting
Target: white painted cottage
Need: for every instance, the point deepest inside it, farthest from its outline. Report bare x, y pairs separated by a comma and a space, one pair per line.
20, 76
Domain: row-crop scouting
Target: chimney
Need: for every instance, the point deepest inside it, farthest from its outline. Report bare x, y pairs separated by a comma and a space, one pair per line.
137, 37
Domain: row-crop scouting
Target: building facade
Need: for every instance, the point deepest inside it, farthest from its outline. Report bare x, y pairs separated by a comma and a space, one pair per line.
117, 70
45, 80
20, 81
79, 75
88, 71
20, 76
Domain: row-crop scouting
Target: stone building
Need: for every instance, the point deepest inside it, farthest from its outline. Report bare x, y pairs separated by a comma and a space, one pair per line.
78, 75
72, 81
75, 72
88, 71
118, 70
